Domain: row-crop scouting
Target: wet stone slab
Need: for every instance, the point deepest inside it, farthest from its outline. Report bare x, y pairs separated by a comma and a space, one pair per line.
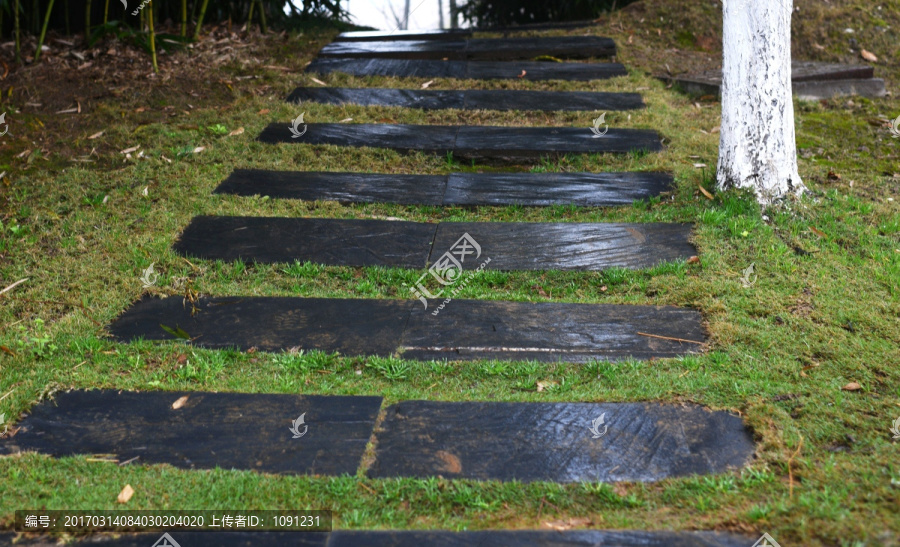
507, 49
205, 430
559, 442
459, 189
534, 538
346, 326
476, 70
336, 242
495, 143
471, 99
463, 330
569, 245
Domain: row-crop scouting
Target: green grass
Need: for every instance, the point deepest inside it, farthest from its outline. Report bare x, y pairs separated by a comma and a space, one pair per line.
822, 313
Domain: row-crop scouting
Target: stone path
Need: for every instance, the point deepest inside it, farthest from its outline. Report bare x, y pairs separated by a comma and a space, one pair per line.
497, 143
455, 189
462, 330
470, 99
481, 440
559, 442
402, 244
475, 70
510, 49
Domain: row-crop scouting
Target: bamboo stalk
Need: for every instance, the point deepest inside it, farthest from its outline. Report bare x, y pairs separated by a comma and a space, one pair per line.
200, 19
250, 14
17, 33
87, 20
183, 17
106, 12
262, 17
37, 54
152, 36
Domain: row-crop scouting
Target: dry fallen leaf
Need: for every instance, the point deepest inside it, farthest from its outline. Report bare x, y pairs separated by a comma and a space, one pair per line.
816, 231
852, 386
264, 110
130, 150
125, 494
95, 135
238, 131
868, 56
567, 524
699, 165
198, 149
426, 84
144, 191
345, 120
833, 176
180, 402
522, 75
694, 260
318, 81
705, 192
542, 385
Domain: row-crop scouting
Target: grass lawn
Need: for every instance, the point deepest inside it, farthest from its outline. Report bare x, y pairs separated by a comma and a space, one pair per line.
824, 312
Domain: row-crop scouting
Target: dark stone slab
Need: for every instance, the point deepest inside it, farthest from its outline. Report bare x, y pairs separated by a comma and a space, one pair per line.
562, 47
542, 189
477, 70
212, 539
463, 189
811, 81
508, 144
426, 99
508, 49
342, 187
534, 538
471, 99
435, 50
378, 35
554, 442
337, 242
346, 326
400, 68
569, 245
523, 143
536, 70
547, 331
490, 99
227, 430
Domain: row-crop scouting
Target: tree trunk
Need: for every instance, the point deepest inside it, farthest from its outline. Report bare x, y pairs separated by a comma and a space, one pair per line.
406, 16
454, 14
440, 14
757, 148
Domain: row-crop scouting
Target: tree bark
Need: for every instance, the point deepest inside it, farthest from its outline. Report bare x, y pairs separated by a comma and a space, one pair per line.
757, 147
454, 14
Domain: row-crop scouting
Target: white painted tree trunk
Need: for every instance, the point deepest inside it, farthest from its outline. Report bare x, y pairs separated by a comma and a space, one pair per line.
757, 147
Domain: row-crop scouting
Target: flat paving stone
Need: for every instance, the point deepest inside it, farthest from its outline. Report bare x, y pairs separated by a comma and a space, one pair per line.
559, 442
333, 186
507, 49
569, 245
459, 189
476, 70
497, 143
346, 326
359, 243
462, 330
337, 242
544, 189
533, 538
228, 430
470, 99
418, 538
466, 330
